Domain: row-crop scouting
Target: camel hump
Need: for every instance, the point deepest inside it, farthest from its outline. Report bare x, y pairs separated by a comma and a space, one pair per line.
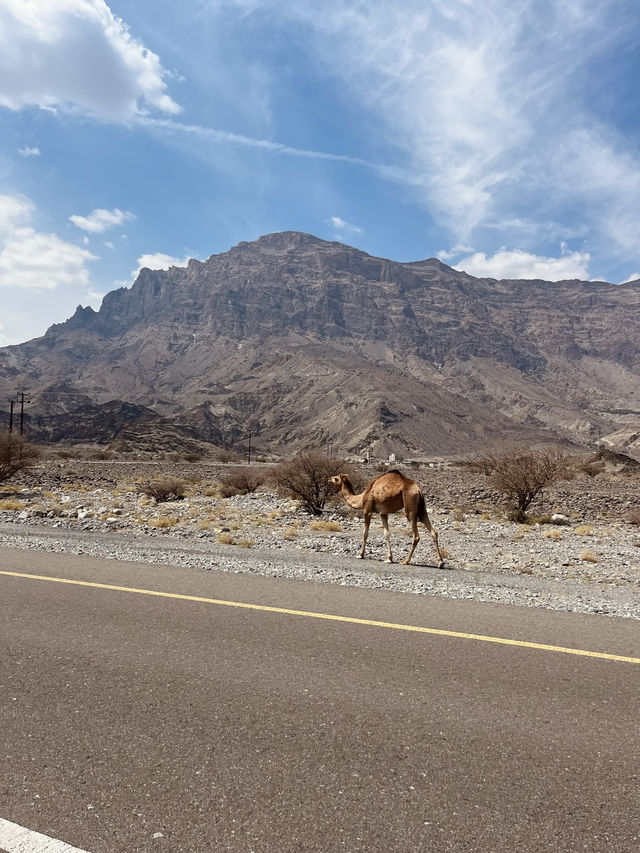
397, 478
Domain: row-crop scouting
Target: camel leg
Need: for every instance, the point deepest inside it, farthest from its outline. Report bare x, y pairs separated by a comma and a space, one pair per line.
434, 536
427, 523
415, 540
387, 537
367, 522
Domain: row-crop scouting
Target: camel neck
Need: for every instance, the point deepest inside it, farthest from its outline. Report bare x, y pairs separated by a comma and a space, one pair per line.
354, 501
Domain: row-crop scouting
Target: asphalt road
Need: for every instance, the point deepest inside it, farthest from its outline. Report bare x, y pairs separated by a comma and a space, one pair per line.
133, 722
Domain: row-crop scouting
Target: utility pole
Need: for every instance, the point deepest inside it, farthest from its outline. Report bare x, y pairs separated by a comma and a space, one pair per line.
23, 399
11, 403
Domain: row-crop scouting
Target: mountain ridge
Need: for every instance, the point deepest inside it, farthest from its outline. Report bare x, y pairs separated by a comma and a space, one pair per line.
289, 335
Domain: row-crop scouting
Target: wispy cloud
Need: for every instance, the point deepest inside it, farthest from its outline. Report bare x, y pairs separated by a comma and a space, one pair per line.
29, 152
100, 220
454, 252
76, 53
343, 228
215, 136
491, 106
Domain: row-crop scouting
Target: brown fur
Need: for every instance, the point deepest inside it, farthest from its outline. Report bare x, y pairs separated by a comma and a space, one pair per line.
389, 493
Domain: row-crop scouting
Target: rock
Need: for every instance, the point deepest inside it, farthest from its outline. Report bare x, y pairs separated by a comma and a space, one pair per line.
559, 519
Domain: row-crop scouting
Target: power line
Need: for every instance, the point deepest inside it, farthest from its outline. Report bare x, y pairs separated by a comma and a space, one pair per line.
23, 399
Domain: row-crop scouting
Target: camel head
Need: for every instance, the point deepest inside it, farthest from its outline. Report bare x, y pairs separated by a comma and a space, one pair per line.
342, 482
339, 481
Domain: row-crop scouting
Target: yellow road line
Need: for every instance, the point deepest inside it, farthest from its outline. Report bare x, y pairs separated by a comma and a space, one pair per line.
418, 629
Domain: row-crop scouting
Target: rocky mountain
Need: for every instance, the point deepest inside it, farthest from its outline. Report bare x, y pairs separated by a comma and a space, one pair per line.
303, 342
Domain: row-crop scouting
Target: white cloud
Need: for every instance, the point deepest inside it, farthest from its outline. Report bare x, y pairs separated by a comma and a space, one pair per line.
341, 225
100, 220
514, 264
29, 152
15, 210
94, 298
30, 259
157, 261
635, 276
76, 53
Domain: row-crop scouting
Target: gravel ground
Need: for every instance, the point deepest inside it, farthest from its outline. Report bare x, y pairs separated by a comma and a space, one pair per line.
590, 564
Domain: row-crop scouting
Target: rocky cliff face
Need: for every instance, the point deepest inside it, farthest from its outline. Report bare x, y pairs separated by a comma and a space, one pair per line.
302, 342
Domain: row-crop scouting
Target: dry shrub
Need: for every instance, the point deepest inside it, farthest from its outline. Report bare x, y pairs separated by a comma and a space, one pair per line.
65, 454
225, 539
226, 456
101, 455
521, 475
306, 477
169, 489
241, 481
15, 455
584, 530
590, 469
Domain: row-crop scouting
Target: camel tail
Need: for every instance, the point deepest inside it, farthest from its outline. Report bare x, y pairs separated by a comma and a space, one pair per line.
423, 515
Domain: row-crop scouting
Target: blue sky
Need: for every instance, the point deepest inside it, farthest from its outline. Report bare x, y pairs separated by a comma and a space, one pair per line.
501, 137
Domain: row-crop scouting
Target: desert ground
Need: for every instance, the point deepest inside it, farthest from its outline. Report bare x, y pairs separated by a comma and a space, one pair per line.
588, 563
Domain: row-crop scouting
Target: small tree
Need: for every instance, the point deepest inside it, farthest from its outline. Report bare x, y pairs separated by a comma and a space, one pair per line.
307, 478
15, 455
522, 475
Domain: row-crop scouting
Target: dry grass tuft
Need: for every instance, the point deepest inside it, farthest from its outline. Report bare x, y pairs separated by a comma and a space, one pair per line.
325, 525
164, 521
589, 556
584, 530
552, 534
225, 539
11, 504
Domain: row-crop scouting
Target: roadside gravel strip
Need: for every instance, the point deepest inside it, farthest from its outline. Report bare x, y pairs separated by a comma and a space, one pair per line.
567, 594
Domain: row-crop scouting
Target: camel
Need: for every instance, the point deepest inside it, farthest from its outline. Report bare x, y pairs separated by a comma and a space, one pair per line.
386, 494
